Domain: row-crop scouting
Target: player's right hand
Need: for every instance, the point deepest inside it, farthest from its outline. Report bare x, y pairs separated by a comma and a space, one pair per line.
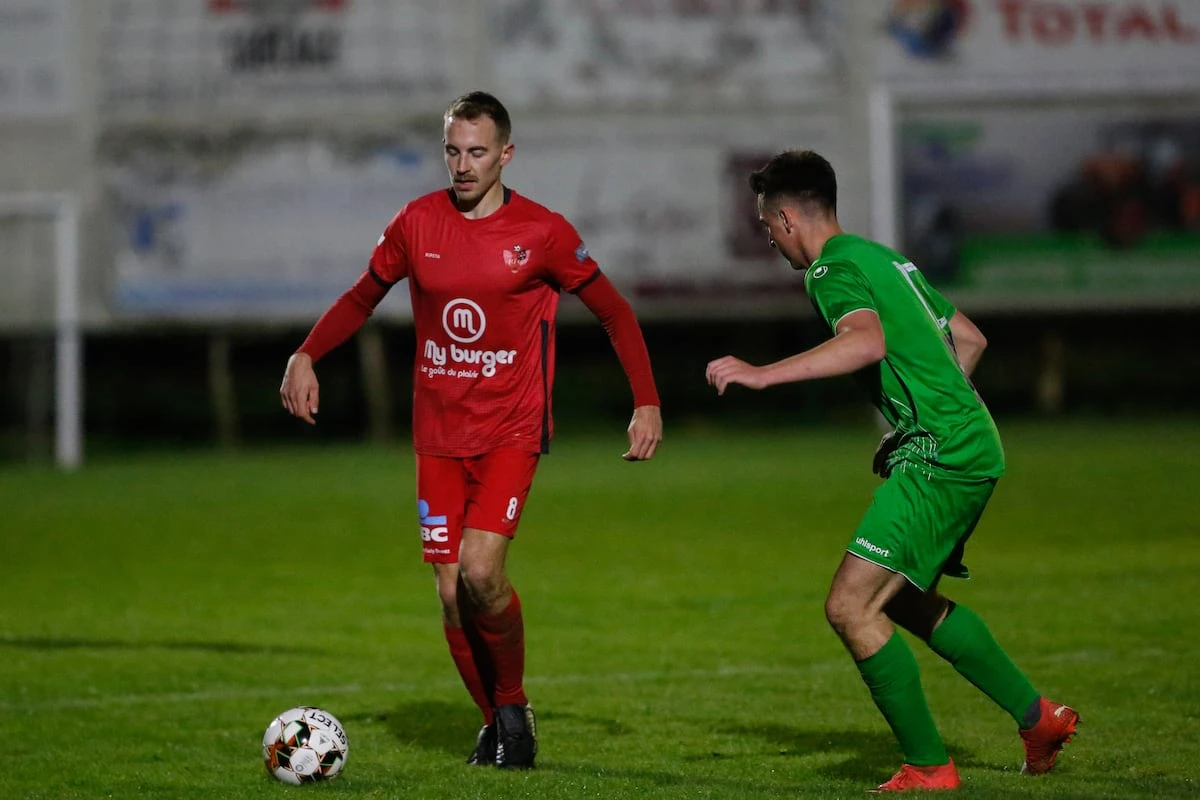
300, 391
727, 370
645, 433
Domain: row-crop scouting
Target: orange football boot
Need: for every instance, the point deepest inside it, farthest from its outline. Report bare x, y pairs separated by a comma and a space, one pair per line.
922, 779
1045, 740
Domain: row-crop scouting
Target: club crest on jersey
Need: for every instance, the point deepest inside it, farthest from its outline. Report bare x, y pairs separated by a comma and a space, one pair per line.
516, 258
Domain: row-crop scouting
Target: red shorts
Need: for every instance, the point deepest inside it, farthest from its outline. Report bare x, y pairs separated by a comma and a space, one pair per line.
486, 492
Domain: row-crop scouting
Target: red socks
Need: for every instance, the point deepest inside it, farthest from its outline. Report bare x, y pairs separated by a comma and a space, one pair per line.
464, 659
504, 635
493, 670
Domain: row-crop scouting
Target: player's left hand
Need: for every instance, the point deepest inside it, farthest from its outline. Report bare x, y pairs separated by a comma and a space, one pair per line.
645, 432
724, 371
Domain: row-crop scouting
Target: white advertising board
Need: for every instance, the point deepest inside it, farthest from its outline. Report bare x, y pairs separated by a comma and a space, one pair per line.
275, 58
36, 59
277, 233
662, 53
664, 204
1115, 44
279, 230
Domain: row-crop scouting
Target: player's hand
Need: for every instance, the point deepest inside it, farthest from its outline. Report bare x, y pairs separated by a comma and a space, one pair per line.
645, 432
724, 371
300, 392
887, 446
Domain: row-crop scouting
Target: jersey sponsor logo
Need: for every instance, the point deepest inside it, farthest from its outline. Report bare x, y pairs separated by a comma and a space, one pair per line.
433, 528
432, 255
581, 253
820, 271
516, 258
463, 320
873, 548
486, 360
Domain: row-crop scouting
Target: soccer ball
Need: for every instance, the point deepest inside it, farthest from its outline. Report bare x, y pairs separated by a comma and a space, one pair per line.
305, 744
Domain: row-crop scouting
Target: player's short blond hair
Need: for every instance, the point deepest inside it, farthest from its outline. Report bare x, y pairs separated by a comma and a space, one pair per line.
474, 105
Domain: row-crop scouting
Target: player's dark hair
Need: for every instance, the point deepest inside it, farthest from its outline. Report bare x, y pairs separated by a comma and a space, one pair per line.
800, 175
474, 105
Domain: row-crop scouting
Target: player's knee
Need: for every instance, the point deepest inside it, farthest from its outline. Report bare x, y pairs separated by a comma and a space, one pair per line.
483, 582
841, 613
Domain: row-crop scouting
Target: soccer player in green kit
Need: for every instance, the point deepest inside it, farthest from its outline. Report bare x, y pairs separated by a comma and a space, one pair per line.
912, 352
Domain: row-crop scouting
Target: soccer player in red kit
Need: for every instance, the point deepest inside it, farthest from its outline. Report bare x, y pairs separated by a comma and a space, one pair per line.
485, 267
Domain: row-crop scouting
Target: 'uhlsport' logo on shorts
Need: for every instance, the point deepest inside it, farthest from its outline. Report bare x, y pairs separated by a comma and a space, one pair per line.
433, 529
874, 548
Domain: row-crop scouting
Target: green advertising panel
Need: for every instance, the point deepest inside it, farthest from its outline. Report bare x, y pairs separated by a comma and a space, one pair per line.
1055, 204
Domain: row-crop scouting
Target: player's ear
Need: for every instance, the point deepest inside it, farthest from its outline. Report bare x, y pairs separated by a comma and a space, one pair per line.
785, 217
506, 154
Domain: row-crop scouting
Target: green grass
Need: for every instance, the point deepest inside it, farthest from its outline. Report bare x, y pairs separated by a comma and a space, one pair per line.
159, 611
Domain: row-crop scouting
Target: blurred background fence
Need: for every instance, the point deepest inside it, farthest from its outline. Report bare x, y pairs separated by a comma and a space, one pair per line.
234, 161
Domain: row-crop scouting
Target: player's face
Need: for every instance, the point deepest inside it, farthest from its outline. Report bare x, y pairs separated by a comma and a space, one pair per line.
474, 156
780, 234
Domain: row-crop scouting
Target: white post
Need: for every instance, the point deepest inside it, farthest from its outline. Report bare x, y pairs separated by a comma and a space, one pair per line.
882, 143
68, 351
63, 209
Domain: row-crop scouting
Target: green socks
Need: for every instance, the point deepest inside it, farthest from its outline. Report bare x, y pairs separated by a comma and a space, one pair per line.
965, 641
895, 684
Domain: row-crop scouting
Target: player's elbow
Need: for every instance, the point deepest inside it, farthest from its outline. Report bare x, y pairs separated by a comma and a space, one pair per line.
863, 343
966, 334
874, 349
974, 345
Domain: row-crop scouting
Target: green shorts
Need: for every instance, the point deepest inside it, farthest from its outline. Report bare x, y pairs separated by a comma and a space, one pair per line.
918, 524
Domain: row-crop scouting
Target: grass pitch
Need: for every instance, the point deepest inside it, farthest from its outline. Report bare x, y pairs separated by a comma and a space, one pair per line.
159, 611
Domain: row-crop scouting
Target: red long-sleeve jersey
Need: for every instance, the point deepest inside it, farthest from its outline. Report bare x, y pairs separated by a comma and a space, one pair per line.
485, 299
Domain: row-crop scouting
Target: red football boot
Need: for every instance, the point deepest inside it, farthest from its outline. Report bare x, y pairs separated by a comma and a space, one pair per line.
1044, 741
921, 779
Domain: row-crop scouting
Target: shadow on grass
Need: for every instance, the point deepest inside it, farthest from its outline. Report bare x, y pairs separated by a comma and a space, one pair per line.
58, 643
714, 786
687, 774
451, 727
870, 754
603, 726
448, 728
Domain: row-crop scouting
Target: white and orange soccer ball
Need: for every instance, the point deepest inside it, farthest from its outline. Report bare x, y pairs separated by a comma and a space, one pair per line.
305, 744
